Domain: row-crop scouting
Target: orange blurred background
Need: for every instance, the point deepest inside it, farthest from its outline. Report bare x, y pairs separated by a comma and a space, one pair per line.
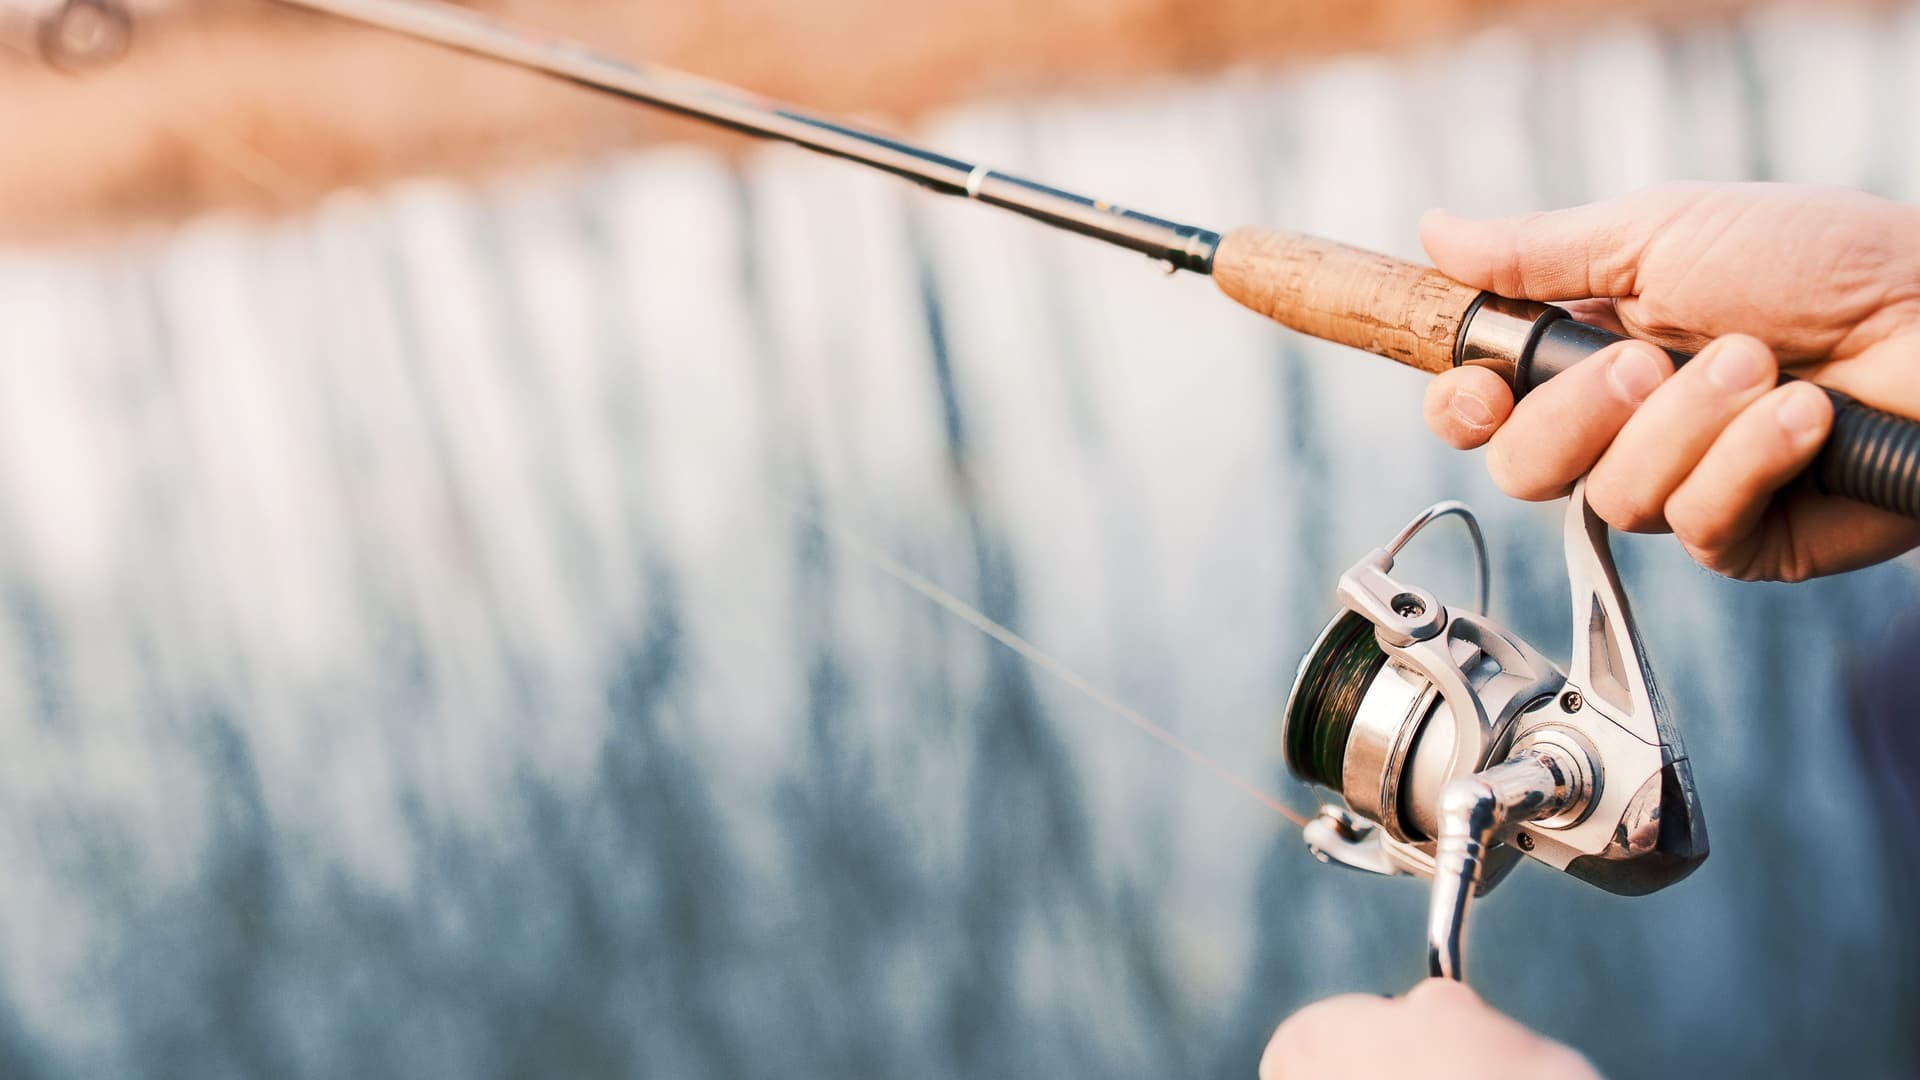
243, 103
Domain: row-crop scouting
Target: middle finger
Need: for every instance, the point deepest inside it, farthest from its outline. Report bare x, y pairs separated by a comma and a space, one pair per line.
1673, 429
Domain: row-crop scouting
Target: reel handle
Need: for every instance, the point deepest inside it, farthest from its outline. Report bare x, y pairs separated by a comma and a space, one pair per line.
1426, 320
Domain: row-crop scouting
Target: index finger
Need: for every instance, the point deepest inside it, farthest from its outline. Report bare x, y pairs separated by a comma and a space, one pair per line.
1328, 1038
1560, 430
1466, 406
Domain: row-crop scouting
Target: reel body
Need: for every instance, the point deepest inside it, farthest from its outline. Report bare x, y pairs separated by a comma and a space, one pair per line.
1457, 747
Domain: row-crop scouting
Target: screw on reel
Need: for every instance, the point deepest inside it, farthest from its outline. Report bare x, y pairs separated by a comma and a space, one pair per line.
1457, 748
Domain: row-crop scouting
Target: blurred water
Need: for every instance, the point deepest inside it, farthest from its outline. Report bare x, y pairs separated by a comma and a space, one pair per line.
418, 659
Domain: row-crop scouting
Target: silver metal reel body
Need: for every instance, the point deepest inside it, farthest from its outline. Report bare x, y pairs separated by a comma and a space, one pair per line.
1469, 748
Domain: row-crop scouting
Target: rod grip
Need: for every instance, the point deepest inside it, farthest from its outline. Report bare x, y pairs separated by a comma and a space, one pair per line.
1370, 301
1871, 456
1415, 314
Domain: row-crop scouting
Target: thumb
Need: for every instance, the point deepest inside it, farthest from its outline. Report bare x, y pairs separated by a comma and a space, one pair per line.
1588, 251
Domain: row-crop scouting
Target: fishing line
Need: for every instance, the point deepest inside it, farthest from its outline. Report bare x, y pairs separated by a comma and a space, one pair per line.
868, 553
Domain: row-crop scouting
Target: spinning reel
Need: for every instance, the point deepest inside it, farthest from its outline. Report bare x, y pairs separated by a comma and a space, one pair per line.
1458, 748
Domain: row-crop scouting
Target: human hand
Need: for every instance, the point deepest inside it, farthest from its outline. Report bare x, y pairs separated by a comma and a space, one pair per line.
1752, 277
1440, 1031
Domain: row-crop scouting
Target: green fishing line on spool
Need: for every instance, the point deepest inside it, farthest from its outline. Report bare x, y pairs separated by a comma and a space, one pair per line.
1333, 681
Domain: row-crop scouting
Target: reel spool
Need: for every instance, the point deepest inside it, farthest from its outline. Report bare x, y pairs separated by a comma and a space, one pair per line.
1457, 748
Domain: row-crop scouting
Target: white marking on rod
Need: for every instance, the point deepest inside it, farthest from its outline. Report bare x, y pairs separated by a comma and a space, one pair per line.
976, 179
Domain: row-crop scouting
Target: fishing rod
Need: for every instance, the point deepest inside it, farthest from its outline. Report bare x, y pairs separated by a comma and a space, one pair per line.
1405, 312
1455, 747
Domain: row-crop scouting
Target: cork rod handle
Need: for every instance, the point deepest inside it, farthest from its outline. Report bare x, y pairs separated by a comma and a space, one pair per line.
1387, 307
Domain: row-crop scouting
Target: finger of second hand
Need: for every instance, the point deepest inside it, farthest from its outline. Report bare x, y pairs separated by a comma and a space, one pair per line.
1560, 429
1328, 1038
1718, 511
1667, 436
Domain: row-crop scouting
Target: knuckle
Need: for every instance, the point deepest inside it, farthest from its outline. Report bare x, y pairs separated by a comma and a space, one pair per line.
1504, 475
1717, 560
1629, 508
1792, 572
1528, 481
1653, 316
1511, 277
1612, 261
1706, 534
1698, 529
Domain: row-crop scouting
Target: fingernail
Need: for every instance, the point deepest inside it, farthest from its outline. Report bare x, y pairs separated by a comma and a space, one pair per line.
1634, 374
1800, 412
1470, 409
1736, 365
